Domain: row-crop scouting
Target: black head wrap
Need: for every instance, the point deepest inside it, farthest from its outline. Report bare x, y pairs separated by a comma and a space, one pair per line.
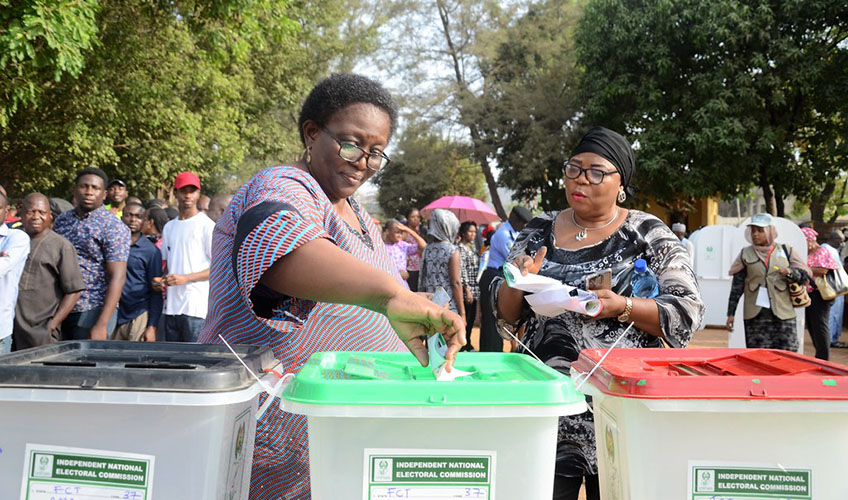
612, 146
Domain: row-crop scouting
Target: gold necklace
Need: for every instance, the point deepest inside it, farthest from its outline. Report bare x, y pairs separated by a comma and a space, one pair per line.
584, 231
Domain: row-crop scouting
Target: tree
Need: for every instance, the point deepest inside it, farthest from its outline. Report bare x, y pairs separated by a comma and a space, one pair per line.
213, 87
717, 95
528, 108
41, 41
426, 168
441, 69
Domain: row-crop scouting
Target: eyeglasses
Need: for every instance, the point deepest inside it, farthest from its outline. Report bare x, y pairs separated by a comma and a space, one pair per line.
352, 153
593, 175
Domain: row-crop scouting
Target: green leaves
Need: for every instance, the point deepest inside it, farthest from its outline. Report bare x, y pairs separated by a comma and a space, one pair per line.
426, 168
41, 41
162, 87
715, 93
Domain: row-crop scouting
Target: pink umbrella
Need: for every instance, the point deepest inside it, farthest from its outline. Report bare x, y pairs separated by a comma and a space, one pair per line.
465, 208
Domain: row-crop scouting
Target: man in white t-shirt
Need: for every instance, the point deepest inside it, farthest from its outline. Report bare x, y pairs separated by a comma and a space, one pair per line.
187, 254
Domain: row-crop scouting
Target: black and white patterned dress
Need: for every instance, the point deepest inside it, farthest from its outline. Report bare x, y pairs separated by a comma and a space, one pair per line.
435, 269
558, 340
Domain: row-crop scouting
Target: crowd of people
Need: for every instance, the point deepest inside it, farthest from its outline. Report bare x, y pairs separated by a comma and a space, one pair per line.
91, 270
292, 261
774, 281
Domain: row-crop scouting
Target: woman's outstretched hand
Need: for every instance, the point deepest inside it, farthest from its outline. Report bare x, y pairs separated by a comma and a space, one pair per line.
413, 316
527, 264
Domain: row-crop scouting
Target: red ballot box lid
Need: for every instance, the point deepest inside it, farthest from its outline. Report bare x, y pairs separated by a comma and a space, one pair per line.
713, 374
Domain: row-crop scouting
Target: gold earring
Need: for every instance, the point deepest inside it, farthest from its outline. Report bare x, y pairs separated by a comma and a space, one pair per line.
621, 195
309, 155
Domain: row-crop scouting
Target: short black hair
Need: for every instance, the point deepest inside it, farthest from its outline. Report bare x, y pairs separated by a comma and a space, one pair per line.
172, 213
340, 90
92, 171
410, 210
465, 225
134, 204
155, 203
159, 218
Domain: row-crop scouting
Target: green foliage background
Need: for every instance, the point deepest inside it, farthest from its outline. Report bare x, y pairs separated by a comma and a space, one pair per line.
425, 168
146, 89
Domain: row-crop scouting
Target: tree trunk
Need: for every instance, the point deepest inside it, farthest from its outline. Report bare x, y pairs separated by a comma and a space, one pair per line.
819, 202
779, 202
481, 158
464, 92
768, 194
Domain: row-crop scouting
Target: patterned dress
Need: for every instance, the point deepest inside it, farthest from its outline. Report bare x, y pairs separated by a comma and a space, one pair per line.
558, 341
435, 269
765, 330
470, 261
280, 209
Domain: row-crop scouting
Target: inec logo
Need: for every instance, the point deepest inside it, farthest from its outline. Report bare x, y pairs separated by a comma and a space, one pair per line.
706, 481
43, 466
383, 471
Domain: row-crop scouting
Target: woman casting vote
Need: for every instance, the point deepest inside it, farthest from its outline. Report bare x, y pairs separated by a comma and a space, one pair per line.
300, 266
597, 237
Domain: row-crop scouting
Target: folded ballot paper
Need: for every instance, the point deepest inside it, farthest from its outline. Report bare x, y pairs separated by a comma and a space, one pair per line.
436, 349
550, 297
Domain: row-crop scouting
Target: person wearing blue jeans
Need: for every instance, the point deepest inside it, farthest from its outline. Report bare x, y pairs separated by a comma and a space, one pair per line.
833, 245
102, 243
835, 321
187, 254
182, 328
77, 326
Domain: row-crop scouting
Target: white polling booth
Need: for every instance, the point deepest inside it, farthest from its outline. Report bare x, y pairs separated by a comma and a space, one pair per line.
716, 247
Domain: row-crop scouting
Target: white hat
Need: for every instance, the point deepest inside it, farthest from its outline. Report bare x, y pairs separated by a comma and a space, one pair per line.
678, 227
761, 220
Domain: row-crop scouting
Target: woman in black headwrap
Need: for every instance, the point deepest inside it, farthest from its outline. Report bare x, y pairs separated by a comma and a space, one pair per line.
597, 236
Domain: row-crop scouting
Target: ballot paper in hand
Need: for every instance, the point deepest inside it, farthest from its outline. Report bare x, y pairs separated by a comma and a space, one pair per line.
436, 349
550, 297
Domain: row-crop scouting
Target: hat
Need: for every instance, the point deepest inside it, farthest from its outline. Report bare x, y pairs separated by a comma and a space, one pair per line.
186, 179
678, 227
809, 233
522, 213
761, 220
118, 182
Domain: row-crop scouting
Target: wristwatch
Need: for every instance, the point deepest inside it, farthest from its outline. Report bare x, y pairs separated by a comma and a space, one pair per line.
628, 308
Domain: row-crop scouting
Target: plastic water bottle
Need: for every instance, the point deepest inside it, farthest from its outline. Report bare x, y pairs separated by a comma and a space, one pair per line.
644, 281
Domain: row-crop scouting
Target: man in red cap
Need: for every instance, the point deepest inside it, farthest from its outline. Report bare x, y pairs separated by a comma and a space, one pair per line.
187, 253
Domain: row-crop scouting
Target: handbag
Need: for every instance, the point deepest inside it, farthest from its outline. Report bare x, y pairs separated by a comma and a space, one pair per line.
797, 291
833, 284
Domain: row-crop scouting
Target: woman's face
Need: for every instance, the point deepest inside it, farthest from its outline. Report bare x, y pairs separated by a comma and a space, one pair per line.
414, 219
758, 236
592, 200
392, 234
812, 246
469, 234
364, 125
147, 226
